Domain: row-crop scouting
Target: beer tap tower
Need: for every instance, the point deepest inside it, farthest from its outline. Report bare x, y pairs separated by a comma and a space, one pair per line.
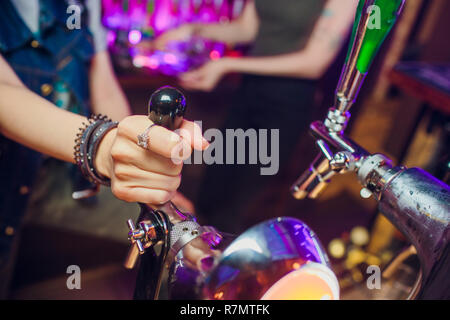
414, 201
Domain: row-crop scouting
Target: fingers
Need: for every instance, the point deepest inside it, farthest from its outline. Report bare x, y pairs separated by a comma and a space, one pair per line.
198, 85
143, 195
192, 134
133, 184
192, 85
135, 177
174, 145
205, 78
128, 153
191, 79
181, 33
197, 253
161, 140
190, 76
183, 203
151, 176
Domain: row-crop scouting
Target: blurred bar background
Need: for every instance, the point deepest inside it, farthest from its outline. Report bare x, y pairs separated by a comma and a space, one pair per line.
403, 111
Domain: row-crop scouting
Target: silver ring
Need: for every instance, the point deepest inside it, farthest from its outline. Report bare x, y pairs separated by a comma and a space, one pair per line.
143, 137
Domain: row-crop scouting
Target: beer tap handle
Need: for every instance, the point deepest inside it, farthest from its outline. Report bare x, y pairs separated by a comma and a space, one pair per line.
136, 248
323, 146
166, 108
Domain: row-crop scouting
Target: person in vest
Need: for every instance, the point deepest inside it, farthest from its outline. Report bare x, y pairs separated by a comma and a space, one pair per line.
52, 78
292, 44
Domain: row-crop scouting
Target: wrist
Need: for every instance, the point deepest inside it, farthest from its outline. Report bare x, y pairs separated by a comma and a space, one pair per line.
103, 161
228, 64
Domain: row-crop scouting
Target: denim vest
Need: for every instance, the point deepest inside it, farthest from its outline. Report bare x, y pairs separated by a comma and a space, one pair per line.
58, 54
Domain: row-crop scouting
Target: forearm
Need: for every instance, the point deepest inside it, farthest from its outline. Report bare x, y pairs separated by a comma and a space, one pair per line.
297, 64
34, 122
319, 52
230, 33
239, 31
111, 102
107, 96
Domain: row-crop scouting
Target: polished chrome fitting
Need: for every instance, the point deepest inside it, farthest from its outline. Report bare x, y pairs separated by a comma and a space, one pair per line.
337, 120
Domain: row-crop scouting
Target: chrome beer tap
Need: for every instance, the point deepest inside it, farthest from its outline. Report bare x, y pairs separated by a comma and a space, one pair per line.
168, 241
164, 227
166, 108
366, 41
414, 201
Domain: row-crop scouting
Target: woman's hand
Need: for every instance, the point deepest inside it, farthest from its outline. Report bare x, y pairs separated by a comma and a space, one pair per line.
183, 203
148, 176
182, 33
207, 76
198, 255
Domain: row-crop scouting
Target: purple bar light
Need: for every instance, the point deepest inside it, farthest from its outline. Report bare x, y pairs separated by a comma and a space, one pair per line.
134, 37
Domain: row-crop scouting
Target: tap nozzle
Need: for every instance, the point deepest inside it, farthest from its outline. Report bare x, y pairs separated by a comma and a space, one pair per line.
314, 180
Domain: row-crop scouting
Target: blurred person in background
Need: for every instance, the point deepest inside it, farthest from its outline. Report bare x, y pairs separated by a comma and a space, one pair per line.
293, 43
51, 78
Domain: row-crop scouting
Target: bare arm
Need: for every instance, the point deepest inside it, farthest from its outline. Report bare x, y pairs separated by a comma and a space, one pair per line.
27, 118
44, 127
241, 30
312, 61
107, 96
136, 174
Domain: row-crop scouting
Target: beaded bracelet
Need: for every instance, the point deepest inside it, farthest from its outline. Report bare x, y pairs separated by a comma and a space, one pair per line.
86, 146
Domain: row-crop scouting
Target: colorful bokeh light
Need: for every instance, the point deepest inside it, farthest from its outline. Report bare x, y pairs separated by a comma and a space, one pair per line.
134, 37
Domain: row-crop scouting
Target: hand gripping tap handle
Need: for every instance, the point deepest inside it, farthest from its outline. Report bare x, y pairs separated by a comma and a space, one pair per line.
166, 108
